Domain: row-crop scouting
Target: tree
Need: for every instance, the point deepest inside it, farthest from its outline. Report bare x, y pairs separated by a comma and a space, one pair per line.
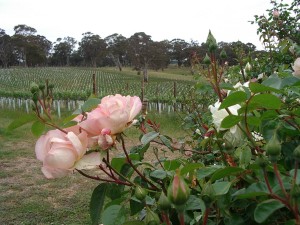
178, 50
5, 48
116, 48
140, 48
30, 49
161, 58
63, 50
93, 48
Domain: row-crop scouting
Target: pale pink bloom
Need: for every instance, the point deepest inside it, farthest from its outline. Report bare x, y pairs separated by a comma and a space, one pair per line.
114, 113
276, 13
59, 152
105, 140
296, 68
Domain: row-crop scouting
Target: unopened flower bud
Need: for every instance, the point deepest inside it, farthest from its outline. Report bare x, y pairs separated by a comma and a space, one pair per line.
42, 87
206, 60
34, 88
35, 97
273, 148
151, 218
248, 67
178, 191
223, 54
211, 42
163, 202
297, 152
140, 193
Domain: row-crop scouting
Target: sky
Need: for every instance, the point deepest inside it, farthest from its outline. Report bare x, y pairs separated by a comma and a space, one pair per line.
161, 19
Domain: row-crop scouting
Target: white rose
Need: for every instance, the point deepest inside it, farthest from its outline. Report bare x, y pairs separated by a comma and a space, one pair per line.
296, 68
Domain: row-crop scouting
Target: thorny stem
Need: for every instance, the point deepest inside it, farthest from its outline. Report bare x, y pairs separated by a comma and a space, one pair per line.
112, 175
133, 167
107, 159
280, 180
101, 179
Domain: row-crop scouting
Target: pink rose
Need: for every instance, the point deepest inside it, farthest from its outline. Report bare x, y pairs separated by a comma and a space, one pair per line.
276, 13
114, 113
60, 153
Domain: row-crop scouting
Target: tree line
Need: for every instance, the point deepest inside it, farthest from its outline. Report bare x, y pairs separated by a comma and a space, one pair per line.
29, 49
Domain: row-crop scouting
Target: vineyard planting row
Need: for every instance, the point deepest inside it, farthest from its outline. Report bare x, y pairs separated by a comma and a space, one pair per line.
76, 84
59, 106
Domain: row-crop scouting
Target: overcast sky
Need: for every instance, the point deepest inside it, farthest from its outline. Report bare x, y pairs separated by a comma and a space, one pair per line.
161, 19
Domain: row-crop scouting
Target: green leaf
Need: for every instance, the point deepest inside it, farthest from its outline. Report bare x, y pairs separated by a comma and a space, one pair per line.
159, 174
172, 164
117, 163
273, 81
90, 104
257, 88
233, 99
149, 137
292, 172
114, 215
254, 121
22, 120
254, 190
97, 202
226, 86
267, 101
221, 188
37, 128
190, 167
135, 206
195, 203
135, 222
230, 121
206, 171
166, 141
264, 209
224, 172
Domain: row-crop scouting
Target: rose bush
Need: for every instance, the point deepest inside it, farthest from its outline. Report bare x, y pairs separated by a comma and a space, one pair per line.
243, 161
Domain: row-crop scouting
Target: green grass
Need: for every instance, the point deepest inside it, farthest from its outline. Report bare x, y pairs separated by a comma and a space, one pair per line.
27, 197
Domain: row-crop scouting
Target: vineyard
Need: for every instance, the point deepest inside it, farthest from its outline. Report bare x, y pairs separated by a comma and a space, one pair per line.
74, 85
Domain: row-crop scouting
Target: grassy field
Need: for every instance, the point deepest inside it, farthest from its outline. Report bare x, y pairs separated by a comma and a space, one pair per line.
27, 197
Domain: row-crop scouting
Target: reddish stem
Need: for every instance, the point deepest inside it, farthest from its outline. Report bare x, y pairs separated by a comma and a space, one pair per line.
133, 167
205, 218
165, 218
181, 218
280, 180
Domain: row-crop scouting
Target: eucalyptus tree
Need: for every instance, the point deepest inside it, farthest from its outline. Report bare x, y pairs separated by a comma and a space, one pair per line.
63, 49
178, 50
140, 49
92, 48
160, 55
30, 48
6, 48
116, 49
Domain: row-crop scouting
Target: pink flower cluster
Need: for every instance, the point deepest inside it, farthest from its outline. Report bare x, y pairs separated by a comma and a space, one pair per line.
62, 152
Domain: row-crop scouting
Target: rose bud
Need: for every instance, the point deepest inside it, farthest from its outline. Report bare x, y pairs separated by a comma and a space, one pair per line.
178, 191
163, 202
273, 148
